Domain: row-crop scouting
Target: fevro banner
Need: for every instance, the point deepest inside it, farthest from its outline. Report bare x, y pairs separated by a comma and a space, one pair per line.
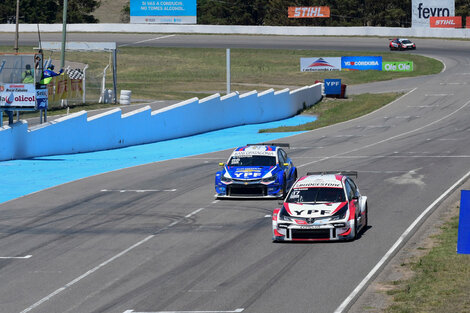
308, 12
445, 22
423, 10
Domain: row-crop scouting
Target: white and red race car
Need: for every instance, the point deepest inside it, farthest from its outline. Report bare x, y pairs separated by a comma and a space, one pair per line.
401, 44
321, 206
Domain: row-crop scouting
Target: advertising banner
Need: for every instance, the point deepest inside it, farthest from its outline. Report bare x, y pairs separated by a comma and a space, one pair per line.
361, 63
397, 66
445, 22
423, 10
18, 96
332, 86
62, 87
42, 97
320, 64
308, 12
163, 12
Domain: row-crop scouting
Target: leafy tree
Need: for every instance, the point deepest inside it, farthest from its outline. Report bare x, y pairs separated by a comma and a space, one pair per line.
126, 13
48, 11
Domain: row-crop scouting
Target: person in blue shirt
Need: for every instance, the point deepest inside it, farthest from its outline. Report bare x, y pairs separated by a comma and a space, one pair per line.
49, 73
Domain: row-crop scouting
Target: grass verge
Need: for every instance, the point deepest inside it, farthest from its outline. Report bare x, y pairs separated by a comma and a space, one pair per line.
330, 111
441, 280
181, 73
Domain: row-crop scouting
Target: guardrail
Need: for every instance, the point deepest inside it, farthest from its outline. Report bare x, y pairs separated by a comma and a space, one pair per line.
77, 133
237, 29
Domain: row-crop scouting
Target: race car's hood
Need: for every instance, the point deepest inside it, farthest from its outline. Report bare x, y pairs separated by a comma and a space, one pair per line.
313, 210
249, 172
408, 44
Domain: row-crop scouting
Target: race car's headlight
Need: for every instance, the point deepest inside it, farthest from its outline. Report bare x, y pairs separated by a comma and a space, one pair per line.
225, 179
340, 214
269, 179
284, 216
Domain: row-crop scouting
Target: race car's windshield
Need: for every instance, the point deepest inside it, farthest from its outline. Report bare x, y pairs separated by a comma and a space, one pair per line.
252, 160
314, 195
406, 41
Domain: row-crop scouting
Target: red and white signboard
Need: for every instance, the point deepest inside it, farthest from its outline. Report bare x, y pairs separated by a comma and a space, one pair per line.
445, 21
17, 96
308, 12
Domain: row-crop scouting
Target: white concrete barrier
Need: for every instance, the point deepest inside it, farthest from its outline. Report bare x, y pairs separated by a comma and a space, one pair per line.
240, 29
77, 133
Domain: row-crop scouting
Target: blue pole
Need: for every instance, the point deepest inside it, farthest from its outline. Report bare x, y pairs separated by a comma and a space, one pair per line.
463, 241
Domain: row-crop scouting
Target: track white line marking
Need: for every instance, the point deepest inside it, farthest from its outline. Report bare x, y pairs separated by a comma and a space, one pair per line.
234, 311
438, 94
137, 190
79, 278
16, 257
146, 40
391, 252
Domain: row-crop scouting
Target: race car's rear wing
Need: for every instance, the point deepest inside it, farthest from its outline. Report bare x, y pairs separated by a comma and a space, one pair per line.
285, 145
345, 173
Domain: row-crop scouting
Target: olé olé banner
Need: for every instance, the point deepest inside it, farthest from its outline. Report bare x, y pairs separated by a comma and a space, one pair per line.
308, 12
397, 66
320, 64
423, 10
445, 22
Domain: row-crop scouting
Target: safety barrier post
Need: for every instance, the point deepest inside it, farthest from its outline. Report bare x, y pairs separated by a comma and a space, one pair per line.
463, 241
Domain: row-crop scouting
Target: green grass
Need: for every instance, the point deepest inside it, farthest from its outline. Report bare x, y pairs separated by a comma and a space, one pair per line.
331, 111
181, 73
441, 283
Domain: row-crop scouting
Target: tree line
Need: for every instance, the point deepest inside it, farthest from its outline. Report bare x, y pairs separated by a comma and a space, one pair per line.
391, 13
48, 11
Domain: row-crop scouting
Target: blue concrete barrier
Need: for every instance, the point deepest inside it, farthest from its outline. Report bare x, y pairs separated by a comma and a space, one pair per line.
77, 133
463, 241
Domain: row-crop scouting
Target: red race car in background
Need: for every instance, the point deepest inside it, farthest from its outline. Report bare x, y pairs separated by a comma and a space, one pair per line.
401, 44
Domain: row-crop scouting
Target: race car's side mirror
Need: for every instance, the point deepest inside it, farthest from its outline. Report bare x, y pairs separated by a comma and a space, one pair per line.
221, 164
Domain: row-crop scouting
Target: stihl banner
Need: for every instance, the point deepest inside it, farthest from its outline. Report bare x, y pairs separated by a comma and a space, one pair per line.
308, 12
445, 22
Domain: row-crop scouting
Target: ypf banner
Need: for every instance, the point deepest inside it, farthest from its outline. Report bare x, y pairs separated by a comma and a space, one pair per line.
445, 22
423, 10
308, 12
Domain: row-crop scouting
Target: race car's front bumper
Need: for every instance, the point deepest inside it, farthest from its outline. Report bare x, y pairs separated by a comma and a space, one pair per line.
249, 190
293, 232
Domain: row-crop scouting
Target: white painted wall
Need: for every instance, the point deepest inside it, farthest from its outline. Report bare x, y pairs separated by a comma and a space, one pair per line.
77, 133
254, 30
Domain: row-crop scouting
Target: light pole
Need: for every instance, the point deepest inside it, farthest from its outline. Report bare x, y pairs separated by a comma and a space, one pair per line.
64, 34
17, 18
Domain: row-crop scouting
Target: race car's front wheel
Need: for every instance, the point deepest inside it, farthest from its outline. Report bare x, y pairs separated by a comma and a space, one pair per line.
354, 230
284, 187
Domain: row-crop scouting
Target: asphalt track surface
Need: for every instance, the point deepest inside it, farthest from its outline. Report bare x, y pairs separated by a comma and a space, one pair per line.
152, 238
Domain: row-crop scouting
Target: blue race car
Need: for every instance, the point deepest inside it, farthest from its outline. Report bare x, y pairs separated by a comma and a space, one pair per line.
261, 170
